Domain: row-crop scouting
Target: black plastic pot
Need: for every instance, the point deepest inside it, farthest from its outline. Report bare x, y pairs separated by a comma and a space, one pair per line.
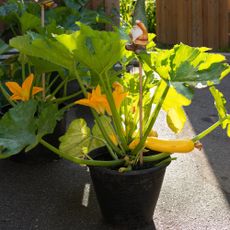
128, 198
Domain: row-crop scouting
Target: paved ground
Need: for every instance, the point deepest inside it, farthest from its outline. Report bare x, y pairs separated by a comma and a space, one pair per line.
43, 195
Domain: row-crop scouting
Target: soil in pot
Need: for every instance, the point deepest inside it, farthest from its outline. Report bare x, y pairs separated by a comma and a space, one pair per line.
128, 199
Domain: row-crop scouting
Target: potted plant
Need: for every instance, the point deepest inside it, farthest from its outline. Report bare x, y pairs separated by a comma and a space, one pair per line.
122, 148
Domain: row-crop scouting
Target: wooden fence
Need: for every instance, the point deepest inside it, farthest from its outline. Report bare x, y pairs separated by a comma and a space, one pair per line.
111, 8
194, 22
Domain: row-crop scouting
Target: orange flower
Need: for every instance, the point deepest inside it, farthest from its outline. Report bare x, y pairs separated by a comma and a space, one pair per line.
99, 102
118, 94
23, 93
95, 100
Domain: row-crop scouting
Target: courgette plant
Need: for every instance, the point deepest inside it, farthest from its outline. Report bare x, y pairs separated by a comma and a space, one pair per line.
169, 79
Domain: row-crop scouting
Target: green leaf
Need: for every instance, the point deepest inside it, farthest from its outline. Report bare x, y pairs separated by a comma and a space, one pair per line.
3, 46
29, 21
46, 123
220, 103
23, 125
17, 128
7, 9
184, 66
42, 66
97, 50
49, 50
78, 140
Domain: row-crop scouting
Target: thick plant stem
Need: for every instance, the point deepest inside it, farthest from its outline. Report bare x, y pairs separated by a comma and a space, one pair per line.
153, 118
208, 130
115, 115
77, 160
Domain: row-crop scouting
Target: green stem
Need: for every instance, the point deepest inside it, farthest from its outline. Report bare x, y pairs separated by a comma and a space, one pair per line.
115, 115
29, 68
166, 161
13, 31
23, 71
156, 157
114, 156
153, 118
209, 130
51, 83
52, 95
67, 106
6, 95
44, 85
148, 110
77, 160
62, 99
65, 89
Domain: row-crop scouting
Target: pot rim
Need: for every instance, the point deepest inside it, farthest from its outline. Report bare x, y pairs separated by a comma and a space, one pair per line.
99, 151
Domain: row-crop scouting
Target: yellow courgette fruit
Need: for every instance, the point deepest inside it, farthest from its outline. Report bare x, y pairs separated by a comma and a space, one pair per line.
166, 145
169, 146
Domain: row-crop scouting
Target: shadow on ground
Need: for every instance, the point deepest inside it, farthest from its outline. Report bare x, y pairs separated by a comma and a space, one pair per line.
202, 114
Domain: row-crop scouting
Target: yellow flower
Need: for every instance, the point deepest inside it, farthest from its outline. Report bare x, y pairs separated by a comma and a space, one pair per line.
23, 93
95, 100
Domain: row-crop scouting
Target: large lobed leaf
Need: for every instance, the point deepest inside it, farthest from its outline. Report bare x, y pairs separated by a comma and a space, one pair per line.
29, 21
17, 128
23, 125
185, 67
47, 49
78, 140
97, 50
